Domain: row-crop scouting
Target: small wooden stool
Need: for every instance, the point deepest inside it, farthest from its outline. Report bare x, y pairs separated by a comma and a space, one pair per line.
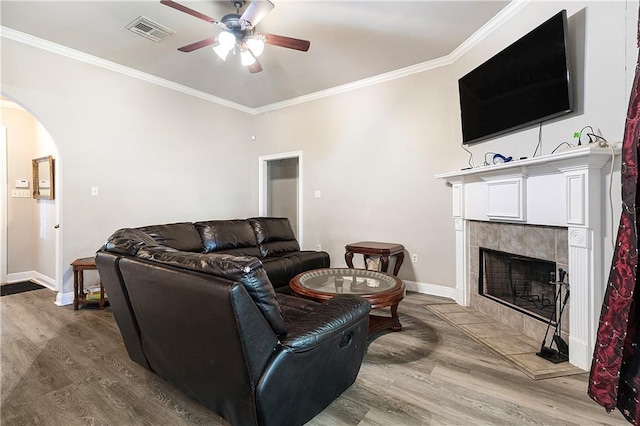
372, 248
79, 298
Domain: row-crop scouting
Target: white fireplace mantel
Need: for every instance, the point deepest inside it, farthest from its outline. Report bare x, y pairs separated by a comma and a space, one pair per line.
562, 189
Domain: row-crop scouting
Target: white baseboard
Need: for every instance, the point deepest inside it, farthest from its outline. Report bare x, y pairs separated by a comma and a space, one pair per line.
431, 289
17, 277
44, 280
34, 276
64, 299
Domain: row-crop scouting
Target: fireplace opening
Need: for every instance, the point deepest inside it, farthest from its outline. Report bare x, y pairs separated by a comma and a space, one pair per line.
520, 282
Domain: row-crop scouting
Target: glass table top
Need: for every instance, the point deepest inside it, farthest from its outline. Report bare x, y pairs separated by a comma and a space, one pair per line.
347, 281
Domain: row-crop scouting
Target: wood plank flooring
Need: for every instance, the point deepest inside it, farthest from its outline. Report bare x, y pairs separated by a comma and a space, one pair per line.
65, 367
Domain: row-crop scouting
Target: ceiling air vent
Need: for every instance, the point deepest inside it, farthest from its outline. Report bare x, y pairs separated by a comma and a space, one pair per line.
149, 29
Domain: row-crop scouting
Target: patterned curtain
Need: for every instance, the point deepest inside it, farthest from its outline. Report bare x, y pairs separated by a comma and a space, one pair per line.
615, 370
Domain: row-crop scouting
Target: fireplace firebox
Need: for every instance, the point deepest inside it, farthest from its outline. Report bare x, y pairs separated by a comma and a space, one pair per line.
520, 282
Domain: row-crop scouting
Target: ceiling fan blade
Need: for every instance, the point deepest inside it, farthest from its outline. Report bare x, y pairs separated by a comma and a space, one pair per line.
198, 45
255, 67
288, 42
257, 10
189, 11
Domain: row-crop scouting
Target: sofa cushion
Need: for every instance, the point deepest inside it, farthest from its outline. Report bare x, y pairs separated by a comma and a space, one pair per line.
275, 235
280, 270
231, 236
246, 270
181, 236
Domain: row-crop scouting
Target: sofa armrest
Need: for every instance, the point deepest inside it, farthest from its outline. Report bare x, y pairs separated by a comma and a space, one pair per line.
326, 321
321, 354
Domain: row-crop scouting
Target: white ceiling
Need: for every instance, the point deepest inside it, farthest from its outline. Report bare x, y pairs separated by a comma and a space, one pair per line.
350, 41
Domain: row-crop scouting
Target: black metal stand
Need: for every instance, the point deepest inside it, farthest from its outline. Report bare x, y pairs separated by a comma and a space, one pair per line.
561, 353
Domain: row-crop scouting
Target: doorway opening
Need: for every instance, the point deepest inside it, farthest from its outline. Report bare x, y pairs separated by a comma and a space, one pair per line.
34, 223
280, 188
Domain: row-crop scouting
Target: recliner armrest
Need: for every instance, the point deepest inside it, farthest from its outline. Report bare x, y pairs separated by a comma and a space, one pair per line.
330, 318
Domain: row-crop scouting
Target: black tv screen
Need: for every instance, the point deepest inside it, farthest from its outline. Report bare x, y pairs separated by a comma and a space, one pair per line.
525, 84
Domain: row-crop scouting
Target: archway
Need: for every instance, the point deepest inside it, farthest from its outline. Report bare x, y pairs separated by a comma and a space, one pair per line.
30, 239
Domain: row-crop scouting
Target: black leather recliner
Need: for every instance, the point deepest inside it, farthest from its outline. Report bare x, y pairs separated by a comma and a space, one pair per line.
213, 326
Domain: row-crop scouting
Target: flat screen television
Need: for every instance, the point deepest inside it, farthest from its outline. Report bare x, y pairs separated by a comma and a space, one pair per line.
527, 83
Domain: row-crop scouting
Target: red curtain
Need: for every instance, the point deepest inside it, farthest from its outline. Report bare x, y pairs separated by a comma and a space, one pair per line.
615, 370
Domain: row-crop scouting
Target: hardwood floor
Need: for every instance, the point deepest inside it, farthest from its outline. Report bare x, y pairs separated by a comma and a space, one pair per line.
65, 367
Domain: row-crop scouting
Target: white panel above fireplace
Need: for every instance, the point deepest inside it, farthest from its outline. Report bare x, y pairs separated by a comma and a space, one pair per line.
505, 199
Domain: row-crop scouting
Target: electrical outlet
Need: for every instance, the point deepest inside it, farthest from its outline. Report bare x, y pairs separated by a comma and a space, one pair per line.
318, 247
414, 258
317, 194
94, 191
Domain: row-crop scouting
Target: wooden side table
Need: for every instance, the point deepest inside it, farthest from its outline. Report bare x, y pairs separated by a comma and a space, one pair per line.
79, 266
372, 248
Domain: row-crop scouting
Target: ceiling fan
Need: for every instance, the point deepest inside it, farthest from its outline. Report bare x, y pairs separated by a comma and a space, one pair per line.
238, 33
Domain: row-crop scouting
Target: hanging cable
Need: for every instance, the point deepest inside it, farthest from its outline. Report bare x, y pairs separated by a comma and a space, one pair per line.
539, 142
470, 161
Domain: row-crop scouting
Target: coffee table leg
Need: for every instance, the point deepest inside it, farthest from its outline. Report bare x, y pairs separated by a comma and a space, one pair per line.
396, 320
379, 322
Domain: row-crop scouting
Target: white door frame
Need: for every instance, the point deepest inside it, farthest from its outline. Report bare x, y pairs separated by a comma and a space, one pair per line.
4, 243
263, 182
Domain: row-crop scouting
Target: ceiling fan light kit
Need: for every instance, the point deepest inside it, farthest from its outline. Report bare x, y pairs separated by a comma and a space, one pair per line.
256, 45
246, 58
238, 33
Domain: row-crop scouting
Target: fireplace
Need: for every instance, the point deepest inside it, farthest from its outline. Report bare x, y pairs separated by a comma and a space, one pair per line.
532, 252
518, 282
557, 193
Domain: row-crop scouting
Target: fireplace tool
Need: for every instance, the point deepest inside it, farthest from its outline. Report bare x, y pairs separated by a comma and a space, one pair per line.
561, 353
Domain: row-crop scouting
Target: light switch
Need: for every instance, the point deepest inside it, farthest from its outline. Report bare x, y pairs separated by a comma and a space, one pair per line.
94, 191
20, 193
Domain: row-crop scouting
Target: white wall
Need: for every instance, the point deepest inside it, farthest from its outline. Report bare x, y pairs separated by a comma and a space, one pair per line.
21, 212
156, 155
373, 153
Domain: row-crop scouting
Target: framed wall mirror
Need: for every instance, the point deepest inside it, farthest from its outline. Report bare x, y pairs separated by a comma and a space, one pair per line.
43, 178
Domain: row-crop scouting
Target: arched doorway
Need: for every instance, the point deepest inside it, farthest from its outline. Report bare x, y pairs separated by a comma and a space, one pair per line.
30, 240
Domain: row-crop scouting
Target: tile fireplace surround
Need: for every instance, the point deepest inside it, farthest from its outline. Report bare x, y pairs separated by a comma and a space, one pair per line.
550, 204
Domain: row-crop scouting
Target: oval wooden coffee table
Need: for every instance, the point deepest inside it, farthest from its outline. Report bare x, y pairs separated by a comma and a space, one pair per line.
380, 289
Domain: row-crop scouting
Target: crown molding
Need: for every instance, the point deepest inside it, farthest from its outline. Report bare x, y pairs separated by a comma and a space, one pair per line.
381, 78
511, 9
49, 46
505, 14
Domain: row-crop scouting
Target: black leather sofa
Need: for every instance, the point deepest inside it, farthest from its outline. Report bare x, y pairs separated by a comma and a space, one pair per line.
271, 239
211, 324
